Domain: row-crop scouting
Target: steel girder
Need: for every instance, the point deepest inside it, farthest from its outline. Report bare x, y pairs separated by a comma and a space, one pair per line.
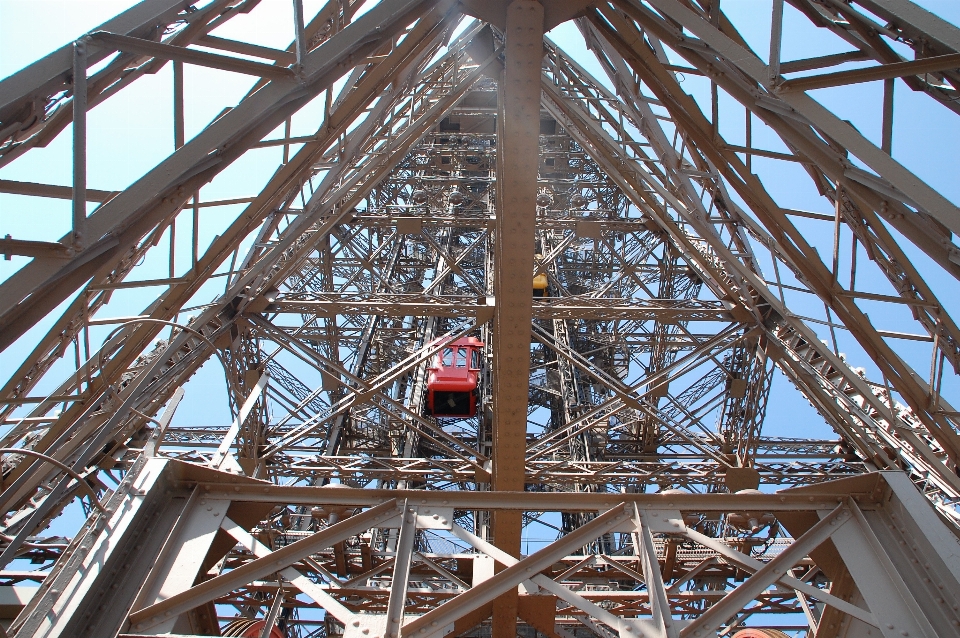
882, 533
409, 219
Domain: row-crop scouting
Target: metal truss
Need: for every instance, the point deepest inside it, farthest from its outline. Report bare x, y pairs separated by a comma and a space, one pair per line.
617, 479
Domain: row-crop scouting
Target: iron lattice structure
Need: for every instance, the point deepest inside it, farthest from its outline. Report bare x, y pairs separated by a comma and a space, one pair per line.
622, 399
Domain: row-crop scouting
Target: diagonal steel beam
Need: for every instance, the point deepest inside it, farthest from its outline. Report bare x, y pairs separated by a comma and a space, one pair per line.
118, 224
261, 567
190, 56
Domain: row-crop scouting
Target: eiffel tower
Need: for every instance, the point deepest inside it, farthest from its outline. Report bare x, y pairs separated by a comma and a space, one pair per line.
590, 246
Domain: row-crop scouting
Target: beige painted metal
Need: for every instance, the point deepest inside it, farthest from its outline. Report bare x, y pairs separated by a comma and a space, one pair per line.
517, 165
673, 256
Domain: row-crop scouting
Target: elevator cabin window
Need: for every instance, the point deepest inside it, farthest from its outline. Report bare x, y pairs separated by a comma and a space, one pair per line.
453, 378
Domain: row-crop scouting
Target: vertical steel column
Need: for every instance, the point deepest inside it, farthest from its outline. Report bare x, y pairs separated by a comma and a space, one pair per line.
178, 127
300, 40
79, 141
886, 138
519, 144
401, 571
776, 35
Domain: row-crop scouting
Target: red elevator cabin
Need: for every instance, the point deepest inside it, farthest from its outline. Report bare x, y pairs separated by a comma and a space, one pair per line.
453, 377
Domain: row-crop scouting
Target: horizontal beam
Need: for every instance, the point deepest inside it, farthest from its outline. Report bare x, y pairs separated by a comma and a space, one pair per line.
882, 72
539, 501
171, 281
50, 190
771, 154
41, 249
809, 64
817, 469
544, 309
244, 48
189, 56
